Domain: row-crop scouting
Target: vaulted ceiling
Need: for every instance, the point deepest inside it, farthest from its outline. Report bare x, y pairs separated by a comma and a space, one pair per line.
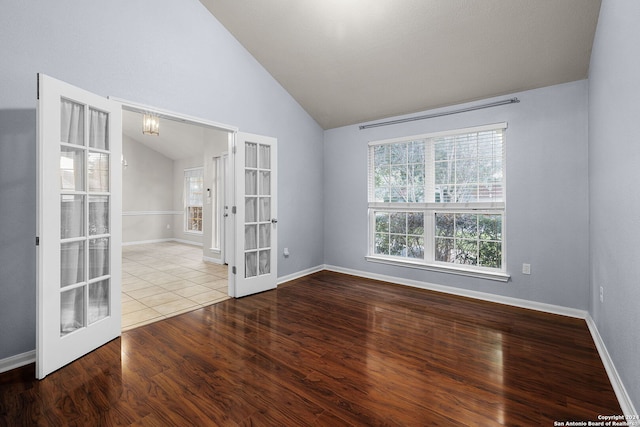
351, 61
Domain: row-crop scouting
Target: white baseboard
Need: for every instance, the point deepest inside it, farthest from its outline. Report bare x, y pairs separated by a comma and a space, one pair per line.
300, 274
187, 242
144, 242
142, 213
169, 239
616, 382
516, 302
17, 361
212, 260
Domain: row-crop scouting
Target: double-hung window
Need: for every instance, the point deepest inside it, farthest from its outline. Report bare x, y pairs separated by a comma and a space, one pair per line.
437, 201
193, 200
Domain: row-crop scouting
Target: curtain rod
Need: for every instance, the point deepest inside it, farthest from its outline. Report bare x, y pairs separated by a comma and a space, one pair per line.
444, 113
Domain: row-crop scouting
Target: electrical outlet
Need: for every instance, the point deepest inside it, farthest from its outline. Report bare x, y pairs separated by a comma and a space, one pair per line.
526, 268
601, 294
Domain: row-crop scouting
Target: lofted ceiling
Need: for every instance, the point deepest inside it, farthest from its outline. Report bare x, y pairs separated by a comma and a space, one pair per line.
177, 139
351, 61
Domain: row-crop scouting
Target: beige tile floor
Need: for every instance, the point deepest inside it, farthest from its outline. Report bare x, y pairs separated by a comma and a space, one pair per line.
161, 280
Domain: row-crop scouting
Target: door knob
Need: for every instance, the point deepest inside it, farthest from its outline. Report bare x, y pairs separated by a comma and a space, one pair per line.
273, 220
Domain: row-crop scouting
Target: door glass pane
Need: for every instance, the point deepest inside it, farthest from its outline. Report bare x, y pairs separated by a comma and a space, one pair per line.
71, 122
71, 216
250, 209
71, 263
98, 129
250, 184
265, 183
98, 172
251, 155
265, 157
98, 301
265, 262
250, 264
98, 215
265, 235
265, 209
98, 257
71, 169
250, 237
71, 310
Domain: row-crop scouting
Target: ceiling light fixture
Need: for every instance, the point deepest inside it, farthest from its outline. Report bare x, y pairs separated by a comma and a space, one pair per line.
151, 124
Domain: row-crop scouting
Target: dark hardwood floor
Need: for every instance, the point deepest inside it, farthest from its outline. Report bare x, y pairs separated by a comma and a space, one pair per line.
328, 349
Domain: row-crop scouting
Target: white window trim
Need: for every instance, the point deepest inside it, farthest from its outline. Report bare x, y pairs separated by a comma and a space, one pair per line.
441, 268
429, 208
216, 202
186, 206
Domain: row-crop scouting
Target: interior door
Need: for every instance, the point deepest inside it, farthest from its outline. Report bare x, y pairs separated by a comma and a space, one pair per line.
79, 223
256, 213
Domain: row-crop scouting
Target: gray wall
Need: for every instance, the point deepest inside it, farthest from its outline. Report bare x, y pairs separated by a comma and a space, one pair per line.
17, 229
614, 172
171, 54
147, 185
547, 196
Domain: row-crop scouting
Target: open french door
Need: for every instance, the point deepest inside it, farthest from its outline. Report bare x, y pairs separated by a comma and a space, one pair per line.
256, 224
79, 223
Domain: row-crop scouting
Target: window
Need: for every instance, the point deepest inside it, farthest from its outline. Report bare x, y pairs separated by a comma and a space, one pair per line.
216, 202
437, 201
193, 185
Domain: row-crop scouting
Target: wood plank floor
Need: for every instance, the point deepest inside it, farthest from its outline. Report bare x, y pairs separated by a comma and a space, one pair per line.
328, 349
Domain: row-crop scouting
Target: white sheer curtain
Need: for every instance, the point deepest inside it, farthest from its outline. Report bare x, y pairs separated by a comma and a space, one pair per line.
250, 208
265, 209
265, 157
265, 235
250, 186
265, 183
251, 155
71, 122
265, 260
71, 310
98, 171
250, 237
98, 215
72, 254
98, 129
98, 301
250, 264
71, 216
71, 263
98, 257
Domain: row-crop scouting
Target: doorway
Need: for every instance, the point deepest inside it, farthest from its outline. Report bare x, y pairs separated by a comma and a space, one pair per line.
172, 259
80, 216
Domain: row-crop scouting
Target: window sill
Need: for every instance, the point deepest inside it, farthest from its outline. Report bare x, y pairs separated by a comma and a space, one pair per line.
193, 233
491, 275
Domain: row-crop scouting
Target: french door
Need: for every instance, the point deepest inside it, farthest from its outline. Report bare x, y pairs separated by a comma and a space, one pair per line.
79, 223
256, 224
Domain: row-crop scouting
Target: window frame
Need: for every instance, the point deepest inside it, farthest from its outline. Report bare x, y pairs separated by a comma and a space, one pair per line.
216, 202
188, 173
431, 208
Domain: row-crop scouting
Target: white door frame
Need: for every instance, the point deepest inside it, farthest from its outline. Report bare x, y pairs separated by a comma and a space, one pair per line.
171, 115
226, 211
